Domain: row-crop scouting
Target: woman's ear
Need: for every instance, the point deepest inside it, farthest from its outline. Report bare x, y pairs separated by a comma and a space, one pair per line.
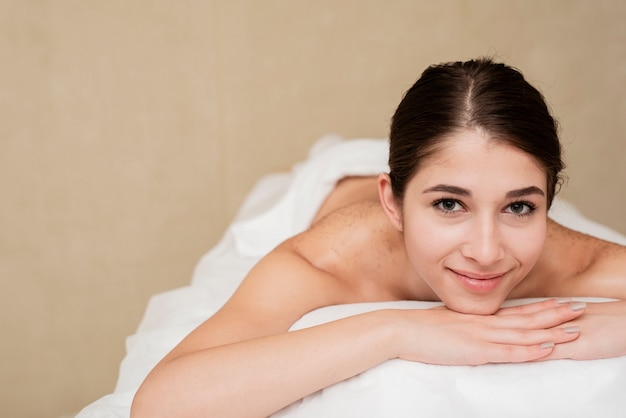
388, 202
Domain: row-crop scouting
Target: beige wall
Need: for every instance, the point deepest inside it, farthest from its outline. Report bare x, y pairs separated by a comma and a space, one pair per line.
130, 132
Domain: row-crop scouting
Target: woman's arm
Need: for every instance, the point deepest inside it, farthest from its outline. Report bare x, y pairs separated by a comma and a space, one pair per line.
256, 377
243, 362
228, 358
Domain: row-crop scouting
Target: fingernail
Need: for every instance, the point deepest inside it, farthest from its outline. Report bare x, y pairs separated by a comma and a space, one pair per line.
563, 301
547, 345
572, 329
578, 306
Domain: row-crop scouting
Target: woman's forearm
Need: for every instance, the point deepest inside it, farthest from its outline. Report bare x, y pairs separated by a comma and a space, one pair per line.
260, 376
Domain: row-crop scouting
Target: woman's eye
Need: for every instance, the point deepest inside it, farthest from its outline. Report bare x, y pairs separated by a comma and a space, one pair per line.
520, 208
448, 205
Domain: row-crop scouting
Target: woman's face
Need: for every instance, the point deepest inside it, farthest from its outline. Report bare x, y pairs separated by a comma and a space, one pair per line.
474, 220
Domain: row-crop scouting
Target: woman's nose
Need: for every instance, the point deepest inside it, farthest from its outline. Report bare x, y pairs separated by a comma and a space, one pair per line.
484, 243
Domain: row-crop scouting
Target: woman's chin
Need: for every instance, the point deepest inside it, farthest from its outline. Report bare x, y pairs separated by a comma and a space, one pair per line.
475, 307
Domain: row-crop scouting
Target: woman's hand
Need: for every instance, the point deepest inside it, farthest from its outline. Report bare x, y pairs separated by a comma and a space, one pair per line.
602, 334
512, 335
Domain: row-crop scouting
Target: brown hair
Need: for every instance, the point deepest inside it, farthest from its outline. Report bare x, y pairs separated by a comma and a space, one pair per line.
479, 94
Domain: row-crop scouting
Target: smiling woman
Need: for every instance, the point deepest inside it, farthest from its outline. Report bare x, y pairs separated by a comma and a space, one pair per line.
460, 218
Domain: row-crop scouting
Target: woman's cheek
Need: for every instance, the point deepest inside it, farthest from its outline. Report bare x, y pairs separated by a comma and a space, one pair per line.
535, 244
428, 242
527, 243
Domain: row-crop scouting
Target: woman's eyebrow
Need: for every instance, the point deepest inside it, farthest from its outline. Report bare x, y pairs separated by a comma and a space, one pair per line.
525, 192
447, 188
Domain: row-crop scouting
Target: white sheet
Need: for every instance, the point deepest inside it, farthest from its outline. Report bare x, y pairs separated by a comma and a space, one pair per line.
395, 388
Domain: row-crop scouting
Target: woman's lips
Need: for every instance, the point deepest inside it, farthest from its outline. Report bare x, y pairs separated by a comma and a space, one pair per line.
480, 283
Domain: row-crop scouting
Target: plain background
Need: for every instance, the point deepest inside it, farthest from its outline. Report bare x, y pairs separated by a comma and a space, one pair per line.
131, 131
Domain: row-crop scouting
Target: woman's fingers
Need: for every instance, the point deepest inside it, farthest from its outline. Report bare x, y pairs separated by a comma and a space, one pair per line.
509, 353
533, 307
532, 334
523, 336
526, 333
503, 345
553, 315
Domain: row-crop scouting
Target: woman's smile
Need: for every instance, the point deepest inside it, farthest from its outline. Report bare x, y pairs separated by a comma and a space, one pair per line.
478, 282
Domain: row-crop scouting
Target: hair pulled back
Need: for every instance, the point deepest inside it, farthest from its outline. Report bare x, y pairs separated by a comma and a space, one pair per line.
477, 94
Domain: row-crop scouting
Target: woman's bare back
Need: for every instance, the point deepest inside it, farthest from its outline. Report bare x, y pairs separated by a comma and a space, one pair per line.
347, 191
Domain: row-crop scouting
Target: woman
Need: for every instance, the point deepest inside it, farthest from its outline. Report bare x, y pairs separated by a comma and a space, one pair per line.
461, 218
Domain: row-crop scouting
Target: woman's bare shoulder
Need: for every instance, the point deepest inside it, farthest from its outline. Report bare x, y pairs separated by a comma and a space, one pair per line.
348, 191
356, 244
576, 264
305, 272
349, 227
277, 291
